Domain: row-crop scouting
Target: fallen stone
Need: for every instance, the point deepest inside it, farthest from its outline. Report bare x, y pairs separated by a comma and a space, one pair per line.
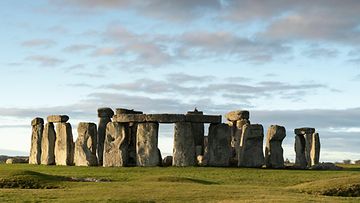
37, 121
17, 160
237, 115
251, 146
36, 136
103, 121
85, 145
167, 161
304, 130
64, 145
147, 144
48, 145
57, 118
300, 160
129, 118
105, 112
315, 149
219, 145
184, 145
127, 111
273, 151
325, 166
116, 144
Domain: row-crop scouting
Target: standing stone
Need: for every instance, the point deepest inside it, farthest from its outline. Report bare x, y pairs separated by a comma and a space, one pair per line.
64, 145
147, 152
219, 145
198, 130
85, 145
184, 145
315, 149
36, 136
303, 146
300, 160
104, 115
251, 146
116, 144
274, 152
48, 145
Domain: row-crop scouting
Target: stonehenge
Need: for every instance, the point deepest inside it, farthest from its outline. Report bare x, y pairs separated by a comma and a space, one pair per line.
274, 152
251, 146
184, 145
307, 147
104, 115
147, 144
130, 138
115, 145
48, 145
86, 145
36, 136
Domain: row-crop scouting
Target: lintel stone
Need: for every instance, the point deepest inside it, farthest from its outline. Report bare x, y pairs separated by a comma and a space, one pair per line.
57, 118
304, 130
237, 115
127, 111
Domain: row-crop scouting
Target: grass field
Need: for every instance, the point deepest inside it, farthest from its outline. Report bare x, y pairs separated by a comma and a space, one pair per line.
193, 184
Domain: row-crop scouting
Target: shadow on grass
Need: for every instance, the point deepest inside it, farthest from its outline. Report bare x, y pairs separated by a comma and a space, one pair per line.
184, 180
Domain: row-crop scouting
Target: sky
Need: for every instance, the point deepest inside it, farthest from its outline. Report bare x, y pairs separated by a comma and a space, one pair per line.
289, 63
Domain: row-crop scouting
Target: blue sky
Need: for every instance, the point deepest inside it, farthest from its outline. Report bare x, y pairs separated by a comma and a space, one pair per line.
290, 63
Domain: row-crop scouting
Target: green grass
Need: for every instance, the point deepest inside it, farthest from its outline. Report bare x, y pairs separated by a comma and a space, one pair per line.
22, 182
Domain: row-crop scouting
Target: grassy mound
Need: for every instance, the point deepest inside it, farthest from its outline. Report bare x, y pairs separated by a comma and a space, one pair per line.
347, 186
30, 180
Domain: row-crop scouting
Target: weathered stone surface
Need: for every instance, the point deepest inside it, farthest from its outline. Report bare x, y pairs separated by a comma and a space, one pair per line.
57, 118
251, 146
37, 121
237, 133
36, 136
129, 118
184, 145
273, 151
85, 145
64, 145
203, 118
127, 111
147, 144
48, 145
116, 144
315, 149
105, 112
195, 112
300, 160
167, 161
219, 145
103, 121
304, 130
237, 115
165, 118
